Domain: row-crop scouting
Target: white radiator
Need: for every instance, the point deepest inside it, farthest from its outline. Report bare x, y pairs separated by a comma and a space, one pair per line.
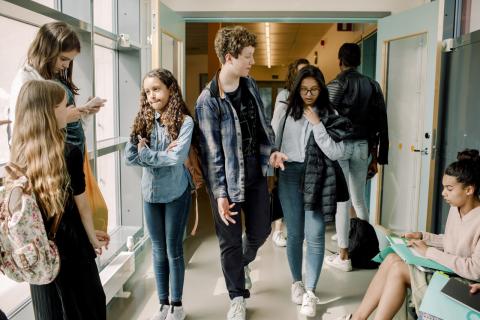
116, 274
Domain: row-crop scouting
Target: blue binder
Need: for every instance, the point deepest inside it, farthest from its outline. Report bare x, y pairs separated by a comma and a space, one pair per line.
437, 304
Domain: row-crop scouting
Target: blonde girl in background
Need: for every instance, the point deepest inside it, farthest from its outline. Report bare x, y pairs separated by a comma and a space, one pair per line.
54, 169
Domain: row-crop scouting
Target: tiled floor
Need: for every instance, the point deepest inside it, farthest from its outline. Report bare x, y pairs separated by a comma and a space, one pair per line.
205, 295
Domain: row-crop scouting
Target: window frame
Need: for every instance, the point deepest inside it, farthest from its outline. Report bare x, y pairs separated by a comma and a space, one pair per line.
36, 14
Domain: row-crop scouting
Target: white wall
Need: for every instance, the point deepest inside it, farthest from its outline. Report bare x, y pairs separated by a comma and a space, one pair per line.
327, 54
298, 5
196, 64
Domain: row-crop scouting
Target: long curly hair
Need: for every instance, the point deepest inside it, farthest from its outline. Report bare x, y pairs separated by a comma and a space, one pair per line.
38, 144
51, 40
172, 115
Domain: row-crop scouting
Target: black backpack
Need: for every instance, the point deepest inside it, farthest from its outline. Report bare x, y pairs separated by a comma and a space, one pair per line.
362, 244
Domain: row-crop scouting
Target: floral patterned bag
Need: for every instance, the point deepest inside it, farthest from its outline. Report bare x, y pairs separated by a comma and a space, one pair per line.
26, 253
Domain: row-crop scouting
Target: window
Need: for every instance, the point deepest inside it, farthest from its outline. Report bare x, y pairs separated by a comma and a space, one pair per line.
114, 70
470, 16
103, 14
104, 88
17, 35
107, 181
48, 3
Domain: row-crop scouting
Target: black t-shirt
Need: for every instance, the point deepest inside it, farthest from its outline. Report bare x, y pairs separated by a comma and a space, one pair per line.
246, 110
71, 238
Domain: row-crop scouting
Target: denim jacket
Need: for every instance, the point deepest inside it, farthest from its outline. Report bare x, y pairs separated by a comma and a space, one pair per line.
165, 177
221, 140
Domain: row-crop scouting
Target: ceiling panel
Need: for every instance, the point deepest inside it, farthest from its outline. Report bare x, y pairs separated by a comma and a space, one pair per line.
288, 41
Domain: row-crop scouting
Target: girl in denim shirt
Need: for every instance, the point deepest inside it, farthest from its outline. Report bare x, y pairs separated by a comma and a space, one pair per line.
159, 142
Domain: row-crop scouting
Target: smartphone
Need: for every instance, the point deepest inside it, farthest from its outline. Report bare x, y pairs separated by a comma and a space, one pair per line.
460, 292
140, 138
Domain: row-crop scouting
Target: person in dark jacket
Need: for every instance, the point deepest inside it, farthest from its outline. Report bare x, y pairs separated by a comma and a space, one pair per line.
236, 145
360, 99
310, 133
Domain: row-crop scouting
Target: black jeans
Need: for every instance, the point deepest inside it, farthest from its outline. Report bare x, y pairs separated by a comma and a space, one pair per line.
235, 254
75, 294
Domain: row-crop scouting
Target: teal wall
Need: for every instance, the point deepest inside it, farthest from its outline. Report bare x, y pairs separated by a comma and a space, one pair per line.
171, 22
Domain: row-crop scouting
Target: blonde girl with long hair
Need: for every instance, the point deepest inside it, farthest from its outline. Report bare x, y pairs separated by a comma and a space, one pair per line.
54, 169
160, 142
50, 56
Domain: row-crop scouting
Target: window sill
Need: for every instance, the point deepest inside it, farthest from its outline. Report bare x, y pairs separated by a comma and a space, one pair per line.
118, 241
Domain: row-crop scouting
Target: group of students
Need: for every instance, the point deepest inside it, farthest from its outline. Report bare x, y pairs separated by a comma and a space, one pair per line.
318, 143
48, 147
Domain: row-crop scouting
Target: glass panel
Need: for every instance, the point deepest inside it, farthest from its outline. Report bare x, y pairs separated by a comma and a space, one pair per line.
107, 181
48, 3
104, 88
18, 35
474, 23
103, 14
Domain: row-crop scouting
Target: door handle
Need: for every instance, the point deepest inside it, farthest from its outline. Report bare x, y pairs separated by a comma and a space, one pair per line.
423, 151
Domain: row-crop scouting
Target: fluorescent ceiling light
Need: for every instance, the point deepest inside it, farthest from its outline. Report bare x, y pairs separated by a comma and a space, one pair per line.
267, 33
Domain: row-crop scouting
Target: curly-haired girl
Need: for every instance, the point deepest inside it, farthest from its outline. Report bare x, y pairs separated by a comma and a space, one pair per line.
159, 142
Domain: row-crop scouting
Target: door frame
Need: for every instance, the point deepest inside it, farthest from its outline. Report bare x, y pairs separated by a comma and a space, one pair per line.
353, 17
382, 79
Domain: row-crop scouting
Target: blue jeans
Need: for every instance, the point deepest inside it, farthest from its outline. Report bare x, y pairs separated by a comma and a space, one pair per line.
301, 225
166, 224
354, 166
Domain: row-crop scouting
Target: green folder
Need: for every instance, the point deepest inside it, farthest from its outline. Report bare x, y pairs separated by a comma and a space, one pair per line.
399, 245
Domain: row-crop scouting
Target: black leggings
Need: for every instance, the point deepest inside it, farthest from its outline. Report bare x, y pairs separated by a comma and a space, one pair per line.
76, 294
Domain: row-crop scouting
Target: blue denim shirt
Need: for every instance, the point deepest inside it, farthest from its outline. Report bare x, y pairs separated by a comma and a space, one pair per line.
165, 177
221, 140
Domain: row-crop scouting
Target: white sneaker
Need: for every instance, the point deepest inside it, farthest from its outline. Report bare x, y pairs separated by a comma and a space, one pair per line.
335, 261
175, 313
334, 237
279, 239
238, 309
347, 317
309, 304
161, 314
298, 290
248, 280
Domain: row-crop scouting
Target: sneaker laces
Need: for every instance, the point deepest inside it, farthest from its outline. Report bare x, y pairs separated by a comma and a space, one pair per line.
299, 286
312, 299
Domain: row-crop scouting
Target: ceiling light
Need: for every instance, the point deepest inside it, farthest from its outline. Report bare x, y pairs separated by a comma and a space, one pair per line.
267, 34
